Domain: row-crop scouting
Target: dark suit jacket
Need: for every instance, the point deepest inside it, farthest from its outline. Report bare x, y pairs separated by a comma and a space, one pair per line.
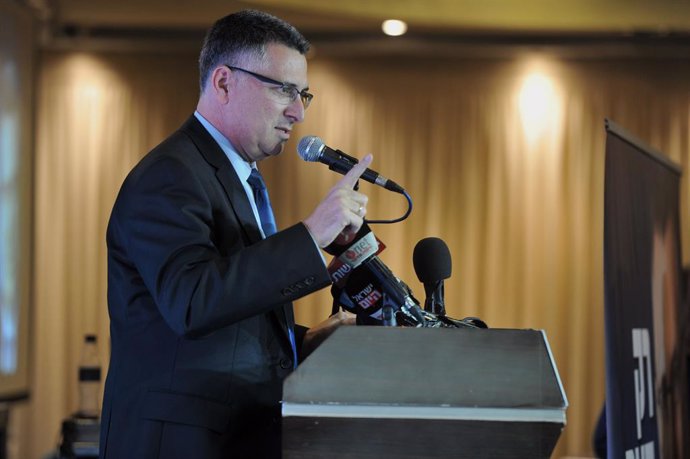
199, 306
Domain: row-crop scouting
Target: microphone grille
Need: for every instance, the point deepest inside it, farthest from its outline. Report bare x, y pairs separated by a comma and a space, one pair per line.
431, 260
310, 148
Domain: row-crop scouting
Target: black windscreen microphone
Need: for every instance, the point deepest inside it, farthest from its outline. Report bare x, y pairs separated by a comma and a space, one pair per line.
312, 148
432, 264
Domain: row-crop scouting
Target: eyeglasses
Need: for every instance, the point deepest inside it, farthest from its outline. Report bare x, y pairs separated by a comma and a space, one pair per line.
287, 90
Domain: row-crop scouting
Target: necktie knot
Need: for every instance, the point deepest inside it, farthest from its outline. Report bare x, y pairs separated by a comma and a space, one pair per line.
263, 203
256, 181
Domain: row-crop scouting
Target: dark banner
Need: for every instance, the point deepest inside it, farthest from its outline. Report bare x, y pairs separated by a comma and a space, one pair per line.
642, 288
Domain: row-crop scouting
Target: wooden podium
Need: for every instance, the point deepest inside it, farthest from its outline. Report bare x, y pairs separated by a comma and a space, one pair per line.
387, 392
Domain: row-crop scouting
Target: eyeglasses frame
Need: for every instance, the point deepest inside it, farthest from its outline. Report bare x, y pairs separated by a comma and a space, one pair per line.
304, 96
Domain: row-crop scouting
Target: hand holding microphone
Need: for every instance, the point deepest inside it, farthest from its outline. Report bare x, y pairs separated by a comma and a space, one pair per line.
341, 213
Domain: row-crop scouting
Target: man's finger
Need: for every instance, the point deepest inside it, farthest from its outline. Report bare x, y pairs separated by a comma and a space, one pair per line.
353, 175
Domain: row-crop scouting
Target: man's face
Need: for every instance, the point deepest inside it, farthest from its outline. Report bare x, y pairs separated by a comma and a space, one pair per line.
262, 115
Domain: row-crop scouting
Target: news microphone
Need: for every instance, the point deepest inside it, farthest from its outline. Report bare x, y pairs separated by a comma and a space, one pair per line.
312, 148
432, 264
364, 285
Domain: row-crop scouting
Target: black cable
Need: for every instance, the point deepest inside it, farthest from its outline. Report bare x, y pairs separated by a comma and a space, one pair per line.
407, 214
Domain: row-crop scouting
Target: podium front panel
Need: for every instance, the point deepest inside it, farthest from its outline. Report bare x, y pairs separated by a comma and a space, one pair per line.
407, 392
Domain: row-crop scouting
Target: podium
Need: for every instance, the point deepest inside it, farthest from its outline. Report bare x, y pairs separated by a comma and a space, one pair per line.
389, 392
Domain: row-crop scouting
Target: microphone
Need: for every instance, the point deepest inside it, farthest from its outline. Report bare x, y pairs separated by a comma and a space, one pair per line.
312, 148
432, 264
364, 285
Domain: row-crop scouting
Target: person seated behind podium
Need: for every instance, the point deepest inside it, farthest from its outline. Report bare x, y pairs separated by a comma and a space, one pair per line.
199, 289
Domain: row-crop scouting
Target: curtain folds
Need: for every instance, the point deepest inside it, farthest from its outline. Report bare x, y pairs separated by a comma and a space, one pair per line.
504, 160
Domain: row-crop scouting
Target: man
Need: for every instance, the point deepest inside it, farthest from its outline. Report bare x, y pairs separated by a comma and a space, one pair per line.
199, 289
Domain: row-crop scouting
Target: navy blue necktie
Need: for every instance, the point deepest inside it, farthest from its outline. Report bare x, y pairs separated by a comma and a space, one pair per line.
263, 204
268, 224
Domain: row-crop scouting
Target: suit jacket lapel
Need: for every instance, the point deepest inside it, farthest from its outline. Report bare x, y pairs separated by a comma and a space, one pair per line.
237, 197
227, 177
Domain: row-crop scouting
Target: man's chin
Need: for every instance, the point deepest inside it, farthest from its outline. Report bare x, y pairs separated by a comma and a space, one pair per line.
277, 150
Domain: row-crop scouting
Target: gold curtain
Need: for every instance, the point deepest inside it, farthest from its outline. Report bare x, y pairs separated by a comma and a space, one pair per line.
503, 158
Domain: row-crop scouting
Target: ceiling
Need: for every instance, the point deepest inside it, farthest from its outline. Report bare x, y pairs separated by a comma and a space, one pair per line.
320, 15
346, 23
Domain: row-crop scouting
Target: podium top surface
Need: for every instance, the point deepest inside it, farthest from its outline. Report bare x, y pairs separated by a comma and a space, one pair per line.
466, 368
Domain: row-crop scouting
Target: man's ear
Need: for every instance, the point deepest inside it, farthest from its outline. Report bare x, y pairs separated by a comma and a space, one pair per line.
221, 83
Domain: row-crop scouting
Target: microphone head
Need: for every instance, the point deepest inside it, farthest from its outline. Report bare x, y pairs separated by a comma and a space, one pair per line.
310, 148
431, 259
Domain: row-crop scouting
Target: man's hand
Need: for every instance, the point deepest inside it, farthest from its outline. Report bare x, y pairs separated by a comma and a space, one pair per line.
318, 334
341, 213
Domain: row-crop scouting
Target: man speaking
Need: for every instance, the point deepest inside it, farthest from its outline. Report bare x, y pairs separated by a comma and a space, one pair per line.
200, 281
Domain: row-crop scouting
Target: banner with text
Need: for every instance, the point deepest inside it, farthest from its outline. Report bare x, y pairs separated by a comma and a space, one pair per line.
642, 292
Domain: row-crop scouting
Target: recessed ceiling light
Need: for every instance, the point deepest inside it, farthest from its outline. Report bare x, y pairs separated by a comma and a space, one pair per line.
394, 27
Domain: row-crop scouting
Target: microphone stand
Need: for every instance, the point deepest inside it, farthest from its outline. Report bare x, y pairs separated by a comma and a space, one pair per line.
434, 301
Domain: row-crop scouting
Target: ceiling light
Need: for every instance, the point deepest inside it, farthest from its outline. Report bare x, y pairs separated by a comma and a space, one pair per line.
394, 27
